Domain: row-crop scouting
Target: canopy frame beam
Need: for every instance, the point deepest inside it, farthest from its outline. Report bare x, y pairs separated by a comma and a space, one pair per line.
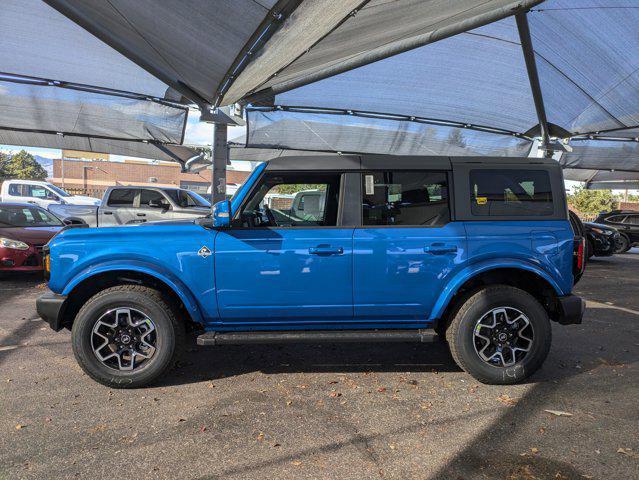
533, 77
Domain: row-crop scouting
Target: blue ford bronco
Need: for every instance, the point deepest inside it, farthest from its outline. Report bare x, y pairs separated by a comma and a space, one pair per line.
478, 252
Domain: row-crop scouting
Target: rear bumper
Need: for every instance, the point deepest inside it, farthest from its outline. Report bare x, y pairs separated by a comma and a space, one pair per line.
50, 308
571, 310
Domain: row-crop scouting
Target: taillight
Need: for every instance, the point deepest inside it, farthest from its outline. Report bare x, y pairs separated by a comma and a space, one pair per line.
580, 250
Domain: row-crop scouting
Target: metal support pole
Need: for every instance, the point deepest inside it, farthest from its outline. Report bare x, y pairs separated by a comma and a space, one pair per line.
219, 160
533, 77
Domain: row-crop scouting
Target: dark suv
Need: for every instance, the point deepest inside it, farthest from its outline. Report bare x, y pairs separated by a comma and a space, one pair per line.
627, 222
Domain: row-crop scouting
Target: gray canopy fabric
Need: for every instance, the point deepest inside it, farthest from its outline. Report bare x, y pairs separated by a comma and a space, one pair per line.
60, 87
587, 57
220, 52
130, 148
620, 158
362, 134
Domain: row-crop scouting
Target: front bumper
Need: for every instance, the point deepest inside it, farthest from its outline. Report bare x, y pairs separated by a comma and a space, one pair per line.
571, 310
50, 308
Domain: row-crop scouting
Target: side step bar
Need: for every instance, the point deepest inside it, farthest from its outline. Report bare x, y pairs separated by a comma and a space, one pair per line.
316, 336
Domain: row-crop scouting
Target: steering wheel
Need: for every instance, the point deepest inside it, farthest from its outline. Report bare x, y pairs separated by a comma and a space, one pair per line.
270, 216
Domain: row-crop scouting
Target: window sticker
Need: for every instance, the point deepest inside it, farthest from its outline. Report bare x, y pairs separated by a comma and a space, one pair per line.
369, 182
481, 200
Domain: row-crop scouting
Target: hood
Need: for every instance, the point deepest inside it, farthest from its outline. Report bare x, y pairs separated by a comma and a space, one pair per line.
82, 200
600, 226
30, 235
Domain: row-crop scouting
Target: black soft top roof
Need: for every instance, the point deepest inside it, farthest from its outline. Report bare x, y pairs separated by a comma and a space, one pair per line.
396, 162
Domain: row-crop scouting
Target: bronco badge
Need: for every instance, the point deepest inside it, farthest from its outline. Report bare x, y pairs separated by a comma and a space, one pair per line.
204, 252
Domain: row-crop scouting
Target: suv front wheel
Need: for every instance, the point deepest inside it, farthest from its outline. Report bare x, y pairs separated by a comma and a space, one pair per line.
500, 335
126, 336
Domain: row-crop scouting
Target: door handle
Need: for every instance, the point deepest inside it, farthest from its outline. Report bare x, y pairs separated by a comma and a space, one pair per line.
108, 213
141, 214
440, 249
325, 250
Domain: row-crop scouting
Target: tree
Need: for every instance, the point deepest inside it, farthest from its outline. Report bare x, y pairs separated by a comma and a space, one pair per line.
3, 166
591, 201
24, 166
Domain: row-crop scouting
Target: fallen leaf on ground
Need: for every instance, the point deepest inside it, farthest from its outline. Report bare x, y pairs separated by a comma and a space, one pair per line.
628, 451
534, 450
296, 462
507, 400
559, 413
335, 394
19, 427
381, 389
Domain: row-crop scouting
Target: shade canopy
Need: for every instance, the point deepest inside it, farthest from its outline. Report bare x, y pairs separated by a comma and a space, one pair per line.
585, 57
61, 87
220, 52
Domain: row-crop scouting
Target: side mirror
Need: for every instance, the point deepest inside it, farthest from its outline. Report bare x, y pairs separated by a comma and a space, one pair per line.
155, 203
222, 214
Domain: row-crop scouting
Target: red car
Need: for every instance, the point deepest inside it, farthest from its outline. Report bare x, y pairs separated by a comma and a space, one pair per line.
24, 230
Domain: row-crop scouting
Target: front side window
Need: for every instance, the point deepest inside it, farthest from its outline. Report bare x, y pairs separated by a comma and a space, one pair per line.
510, 193
616, 219
293, 200
122, 197
186, 199
16, 190
37, 191
413, 198
148, 196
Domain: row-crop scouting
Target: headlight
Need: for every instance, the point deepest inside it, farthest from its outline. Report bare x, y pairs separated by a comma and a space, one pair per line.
14, 244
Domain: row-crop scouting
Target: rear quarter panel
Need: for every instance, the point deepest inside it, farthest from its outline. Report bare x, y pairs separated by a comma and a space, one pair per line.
546, 245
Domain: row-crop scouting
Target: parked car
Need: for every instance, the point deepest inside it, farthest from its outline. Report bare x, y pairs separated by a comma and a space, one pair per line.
24, 230
40, 193
627, 223
135, 205
602, 239
476, 250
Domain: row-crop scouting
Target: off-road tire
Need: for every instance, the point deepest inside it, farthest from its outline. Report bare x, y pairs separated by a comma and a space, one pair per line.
170, 335
623, 245
471, 308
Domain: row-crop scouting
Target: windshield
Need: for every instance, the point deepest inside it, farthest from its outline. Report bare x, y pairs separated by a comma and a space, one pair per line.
187, 199
18, 216
59, 191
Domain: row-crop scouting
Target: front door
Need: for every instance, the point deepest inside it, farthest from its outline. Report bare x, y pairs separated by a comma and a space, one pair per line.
406, 248
278, 265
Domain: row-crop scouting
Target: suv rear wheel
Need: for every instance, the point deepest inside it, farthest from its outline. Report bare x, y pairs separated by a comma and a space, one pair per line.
126, 336
500, 335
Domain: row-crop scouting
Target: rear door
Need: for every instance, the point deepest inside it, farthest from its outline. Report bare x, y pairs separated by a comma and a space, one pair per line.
146, 213
119, 208
631, 227
273, 267
406, 245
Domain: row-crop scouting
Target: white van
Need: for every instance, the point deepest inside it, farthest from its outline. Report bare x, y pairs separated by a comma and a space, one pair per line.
40, 193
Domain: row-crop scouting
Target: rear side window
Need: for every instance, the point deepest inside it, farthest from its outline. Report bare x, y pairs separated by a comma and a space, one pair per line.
17, 190
632, 219
519, 193
413, 198
122, 197
616, 219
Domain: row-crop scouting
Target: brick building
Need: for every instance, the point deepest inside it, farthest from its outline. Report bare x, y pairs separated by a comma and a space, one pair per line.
95, 176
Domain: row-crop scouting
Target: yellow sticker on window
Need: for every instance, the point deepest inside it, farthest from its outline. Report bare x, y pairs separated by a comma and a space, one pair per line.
481, 200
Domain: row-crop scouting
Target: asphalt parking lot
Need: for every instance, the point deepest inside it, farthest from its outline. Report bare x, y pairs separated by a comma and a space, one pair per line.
329, 411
